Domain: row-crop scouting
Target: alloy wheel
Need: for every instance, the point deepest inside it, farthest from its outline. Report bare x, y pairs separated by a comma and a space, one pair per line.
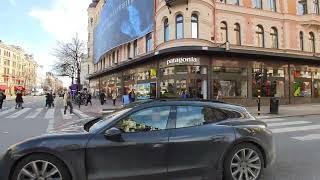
39, 170
246, 165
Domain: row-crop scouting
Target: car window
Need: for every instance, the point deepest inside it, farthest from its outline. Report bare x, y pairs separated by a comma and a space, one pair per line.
188, 116
150, 119
232, 114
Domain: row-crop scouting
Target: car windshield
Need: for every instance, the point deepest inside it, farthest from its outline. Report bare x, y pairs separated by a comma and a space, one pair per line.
108, 119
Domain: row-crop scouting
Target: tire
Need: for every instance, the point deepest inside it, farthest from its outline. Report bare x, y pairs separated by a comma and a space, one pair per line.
245, 164
53, 164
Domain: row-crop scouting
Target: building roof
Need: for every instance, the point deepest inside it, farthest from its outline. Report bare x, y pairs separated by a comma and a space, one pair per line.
94, 3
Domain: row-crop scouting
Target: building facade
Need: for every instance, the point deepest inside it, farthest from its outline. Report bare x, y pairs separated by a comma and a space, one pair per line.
18, 70
52, 83
234, 49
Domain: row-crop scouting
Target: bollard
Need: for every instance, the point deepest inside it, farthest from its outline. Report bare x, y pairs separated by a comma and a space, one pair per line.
259, 102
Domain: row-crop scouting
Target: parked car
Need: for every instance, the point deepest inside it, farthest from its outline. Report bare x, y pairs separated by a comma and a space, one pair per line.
158, 139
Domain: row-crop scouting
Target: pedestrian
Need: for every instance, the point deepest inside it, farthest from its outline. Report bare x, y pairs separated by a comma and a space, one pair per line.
67, 102
2, 98
88, 97
114, 97
19, 100
184, 95
49, 100
132, 96
78, 99
102, 97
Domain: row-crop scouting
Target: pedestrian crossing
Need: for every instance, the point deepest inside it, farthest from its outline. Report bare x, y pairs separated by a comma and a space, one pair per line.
32, 113
280, 126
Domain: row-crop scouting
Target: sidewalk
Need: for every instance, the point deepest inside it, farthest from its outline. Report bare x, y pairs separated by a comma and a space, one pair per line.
287, 110
97, 109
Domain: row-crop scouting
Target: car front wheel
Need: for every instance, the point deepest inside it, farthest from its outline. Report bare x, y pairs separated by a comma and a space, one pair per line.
244, 162
40, 167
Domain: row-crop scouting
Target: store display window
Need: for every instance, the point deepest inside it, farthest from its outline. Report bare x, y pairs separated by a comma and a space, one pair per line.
270, 82
302, 82
229, 82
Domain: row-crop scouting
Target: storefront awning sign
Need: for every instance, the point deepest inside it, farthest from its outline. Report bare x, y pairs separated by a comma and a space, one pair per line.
182, 60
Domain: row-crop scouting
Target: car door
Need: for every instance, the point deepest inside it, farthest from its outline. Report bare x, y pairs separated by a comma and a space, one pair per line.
140, 152
196, 144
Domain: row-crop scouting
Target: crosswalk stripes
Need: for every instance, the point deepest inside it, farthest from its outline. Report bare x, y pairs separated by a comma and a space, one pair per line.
309, 137
273, 120
49, 114
80, 113
19, 113
35, 113
295, 129
66, 116
288, 123
7, 111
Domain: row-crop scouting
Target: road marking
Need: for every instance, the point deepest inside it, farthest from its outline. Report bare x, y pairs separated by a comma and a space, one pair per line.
19, 113
262, 117
308, 137
294, 129
288, 123
50, 125
49, 114
7, 111
80, 113
66, 116
273, 120
34, 114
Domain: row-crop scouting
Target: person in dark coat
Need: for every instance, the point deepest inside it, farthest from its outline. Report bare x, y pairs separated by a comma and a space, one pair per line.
102, 97
2, 98
19, 100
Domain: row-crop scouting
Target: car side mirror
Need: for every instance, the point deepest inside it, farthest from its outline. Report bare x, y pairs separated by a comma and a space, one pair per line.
113, 133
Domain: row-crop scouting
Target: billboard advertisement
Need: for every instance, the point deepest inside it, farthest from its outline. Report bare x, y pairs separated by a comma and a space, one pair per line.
122, 21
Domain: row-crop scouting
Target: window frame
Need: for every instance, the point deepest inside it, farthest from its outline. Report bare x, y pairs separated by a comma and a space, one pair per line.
237, 31
166, 30
302, 3
180, 22
148, 42
312, 41
257, 2
175, 110
274, 34
260, 33
170, 121
273, 5
301, 39
224, 27
195, 20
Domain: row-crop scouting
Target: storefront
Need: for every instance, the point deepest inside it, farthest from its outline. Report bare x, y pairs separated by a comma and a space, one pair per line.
237, 79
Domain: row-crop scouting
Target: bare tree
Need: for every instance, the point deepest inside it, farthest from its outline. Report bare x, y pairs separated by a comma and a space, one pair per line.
69, 57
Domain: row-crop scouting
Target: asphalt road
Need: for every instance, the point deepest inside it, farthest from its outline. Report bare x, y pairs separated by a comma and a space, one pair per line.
33, 120
297, 139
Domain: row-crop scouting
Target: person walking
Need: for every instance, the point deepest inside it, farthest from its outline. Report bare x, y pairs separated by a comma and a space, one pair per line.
114, 97
67, 102
79, 99
132, 96
102, 97
88, 98
19, 100
2, 98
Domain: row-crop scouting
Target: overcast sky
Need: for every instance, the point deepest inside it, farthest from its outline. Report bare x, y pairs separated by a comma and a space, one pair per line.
36, 25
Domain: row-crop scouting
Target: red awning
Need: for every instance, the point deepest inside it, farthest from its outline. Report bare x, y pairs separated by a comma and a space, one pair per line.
19, 88
3, 87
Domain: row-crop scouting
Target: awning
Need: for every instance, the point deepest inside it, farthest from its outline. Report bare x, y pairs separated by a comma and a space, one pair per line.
3, 87
19, 88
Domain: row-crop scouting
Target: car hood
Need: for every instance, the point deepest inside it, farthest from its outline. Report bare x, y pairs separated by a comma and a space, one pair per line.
76, 127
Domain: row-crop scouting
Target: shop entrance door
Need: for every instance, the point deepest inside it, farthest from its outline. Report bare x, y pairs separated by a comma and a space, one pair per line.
192, 86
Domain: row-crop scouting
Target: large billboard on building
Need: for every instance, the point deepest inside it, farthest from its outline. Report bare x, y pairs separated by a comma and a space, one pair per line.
122, 21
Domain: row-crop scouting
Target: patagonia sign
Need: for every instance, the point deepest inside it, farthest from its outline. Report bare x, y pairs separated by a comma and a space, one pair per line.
182, 60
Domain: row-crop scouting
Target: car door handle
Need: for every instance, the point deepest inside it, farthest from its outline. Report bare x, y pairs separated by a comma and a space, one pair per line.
218, 138
157, 146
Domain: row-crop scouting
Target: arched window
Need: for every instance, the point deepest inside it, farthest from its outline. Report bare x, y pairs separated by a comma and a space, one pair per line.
195, 26
166, 30
179, 27
259, 36
301, 41
312, 42
274, 38
237, 32
224, 31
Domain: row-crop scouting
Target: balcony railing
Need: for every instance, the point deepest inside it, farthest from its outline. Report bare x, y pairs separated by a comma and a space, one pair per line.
170, 3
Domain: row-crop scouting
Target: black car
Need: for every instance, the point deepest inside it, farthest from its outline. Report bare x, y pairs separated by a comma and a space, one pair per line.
159, 139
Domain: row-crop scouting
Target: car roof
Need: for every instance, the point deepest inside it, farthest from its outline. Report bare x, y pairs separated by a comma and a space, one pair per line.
195, 102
